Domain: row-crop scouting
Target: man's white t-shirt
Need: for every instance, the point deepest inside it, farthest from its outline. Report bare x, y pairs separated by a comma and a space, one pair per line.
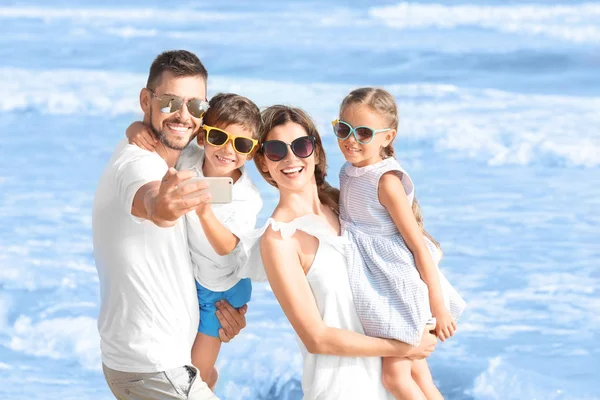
149, 313
215, 272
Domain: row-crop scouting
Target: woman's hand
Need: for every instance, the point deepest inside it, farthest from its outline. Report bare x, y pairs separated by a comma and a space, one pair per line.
139, 134
425, 348
444, 324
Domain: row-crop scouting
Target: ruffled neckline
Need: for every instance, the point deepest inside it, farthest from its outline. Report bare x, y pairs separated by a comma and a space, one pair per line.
353, 171
310, 224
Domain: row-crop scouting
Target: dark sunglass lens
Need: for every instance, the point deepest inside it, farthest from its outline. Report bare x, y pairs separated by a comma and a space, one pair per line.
275, 150
216, 137
364, 134
243, 145
303, 146
341, 130
197, 107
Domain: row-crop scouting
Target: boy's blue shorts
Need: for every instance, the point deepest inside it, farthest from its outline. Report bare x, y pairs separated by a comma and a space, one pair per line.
237, 296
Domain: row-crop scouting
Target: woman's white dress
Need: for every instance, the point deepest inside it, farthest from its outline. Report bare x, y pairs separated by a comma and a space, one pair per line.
332, 377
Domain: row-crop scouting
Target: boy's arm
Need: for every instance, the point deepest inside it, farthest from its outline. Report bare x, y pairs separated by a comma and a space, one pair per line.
219, 237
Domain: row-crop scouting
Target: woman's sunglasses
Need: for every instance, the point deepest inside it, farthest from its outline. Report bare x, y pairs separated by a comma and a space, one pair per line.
362, 134
276, 150
218, 137
170, 103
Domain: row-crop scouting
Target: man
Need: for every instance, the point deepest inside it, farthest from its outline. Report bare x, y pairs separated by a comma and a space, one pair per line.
149, 313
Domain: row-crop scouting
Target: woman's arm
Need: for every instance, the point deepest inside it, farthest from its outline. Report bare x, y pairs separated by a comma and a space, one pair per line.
393, 197
288, 281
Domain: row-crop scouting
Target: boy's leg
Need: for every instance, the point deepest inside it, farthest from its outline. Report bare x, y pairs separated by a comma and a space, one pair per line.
204, 356
207, 344
397, 379
422, 375
239, 294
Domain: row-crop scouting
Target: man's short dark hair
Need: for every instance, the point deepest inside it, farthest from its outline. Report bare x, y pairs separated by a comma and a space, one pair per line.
179, 63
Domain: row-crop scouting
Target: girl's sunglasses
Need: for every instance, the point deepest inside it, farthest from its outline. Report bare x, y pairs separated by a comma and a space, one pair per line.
362, 134
170, 103
218, 137
276, 150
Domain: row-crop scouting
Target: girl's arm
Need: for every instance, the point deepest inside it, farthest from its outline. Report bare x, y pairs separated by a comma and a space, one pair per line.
286, 277
393, 197
219, 237
139, 134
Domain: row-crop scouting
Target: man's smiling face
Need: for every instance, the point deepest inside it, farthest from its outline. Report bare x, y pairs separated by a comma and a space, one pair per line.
175, 130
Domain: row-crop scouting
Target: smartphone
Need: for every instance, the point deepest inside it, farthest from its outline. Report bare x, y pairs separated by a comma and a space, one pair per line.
220, 189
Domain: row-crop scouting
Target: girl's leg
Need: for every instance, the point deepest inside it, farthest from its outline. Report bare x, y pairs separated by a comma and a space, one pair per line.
397, 379
204, 356
422, 375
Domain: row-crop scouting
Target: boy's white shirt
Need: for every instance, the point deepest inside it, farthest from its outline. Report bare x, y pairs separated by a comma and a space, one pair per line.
215, 272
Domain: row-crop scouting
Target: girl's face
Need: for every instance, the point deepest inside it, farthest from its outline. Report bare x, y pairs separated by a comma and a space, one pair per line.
223, 160
291, 172
359, 154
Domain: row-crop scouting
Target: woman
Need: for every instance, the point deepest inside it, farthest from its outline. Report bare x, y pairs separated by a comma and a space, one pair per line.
303, 256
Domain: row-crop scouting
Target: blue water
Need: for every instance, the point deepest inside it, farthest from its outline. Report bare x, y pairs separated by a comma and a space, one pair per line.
500, 116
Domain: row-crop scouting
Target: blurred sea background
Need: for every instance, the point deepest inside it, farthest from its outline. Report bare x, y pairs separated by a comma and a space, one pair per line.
500, 130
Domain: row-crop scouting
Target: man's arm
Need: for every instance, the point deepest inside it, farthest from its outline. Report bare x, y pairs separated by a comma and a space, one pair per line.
165, 201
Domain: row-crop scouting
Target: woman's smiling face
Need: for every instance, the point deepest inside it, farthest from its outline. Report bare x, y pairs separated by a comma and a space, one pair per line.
292, 172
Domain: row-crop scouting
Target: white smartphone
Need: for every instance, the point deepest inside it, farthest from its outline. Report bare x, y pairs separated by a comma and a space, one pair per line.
220, 189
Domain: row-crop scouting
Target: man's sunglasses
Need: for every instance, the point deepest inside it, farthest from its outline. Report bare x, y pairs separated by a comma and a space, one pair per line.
276, 150
170, 103
362, 134
218, 137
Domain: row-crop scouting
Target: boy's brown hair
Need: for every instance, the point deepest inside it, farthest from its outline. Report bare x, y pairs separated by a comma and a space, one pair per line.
229, 108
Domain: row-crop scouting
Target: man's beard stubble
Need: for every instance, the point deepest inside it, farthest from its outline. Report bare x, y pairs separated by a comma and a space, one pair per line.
164, 139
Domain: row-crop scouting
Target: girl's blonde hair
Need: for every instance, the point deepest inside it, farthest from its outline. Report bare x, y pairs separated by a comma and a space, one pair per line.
280, 115
382, 102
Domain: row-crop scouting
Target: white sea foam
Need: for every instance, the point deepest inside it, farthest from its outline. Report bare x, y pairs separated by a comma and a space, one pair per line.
504, 381
58, 338
572, 22
497, 126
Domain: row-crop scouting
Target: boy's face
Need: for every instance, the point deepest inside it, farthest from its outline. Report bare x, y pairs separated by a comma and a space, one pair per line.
224, 160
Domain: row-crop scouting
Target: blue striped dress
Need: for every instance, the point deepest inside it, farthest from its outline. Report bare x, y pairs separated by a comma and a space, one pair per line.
391, 299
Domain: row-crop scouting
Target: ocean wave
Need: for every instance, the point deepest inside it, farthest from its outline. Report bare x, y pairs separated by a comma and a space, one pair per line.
496, 126
504, 381
58, 338
119, 14
578, 23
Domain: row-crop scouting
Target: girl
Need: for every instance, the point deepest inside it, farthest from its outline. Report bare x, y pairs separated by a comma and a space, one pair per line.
392, 259
303, 256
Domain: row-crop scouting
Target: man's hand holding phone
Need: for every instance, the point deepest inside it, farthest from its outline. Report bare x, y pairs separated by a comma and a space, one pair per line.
175, 197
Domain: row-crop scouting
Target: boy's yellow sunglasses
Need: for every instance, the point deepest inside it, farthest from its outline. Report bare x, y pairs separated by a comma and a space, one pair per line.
218, 137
